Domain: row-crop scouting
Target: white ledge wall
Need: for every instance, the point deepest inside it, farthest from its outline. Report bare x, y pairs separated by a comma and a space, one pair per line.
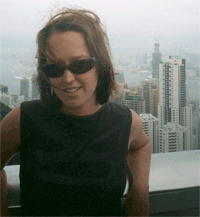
174, 170
168, 171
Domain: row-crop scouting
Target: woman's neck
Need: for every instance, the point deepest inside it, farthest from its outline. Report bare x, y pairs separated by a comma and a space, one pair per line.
82, 111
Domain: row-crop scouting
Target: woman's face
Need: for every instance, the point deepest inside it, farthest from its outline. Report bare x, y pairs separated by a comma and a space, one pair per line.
79, 97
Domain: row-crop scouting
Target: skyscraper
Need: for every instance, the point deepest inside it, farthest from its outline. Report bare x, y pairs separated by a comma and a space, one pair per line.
150, 95
35, 90
195, 104
155, 100
196, 129
175, 118
186, 121
172, 91
156, 59
24, 88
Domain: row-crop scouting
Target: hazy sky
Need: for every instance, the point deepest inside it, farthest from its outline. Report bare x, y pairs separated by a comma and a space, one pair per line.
126, 20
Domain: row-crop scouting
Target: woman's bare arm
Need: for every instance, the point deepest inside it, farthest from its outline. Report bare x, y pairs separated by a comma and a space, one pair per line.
138, 160
10, 135
10, 141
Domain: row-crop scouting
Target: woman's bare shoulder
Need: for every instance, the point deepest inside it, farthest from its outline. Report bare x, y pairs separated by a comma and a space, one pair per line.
136, 121
13, 115
10, 135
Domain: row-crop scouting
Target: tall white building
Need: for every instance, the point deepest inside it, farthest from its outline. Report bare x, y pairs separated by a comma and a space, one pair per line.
156, 59
175, 118
172, 91
150, 124
186, 121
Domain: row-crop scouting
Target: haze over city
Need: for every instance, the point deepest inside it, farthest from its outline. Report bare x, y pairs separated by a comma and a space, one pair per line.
130, 24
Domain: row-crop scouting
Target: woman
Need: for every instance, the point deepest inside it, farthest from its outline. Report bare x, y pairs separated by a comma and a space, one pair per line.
75, 145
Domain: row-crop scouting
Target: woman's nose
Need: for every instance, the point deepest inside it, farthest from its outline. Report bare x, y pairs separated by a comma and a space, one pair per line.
68, 76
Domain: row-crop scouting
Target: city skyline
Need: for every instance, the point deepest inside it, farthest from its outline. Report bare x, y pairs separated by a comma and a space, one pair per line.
146, 99
166, 111
135, 64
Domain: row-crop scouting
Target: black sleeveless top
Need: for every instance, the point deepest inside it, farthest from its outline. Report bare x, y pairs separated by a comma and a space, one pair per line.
73, 165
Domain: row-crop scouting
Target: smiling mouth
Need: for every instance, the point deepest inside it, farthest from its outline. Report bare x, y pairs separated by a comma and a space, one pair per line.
71, 90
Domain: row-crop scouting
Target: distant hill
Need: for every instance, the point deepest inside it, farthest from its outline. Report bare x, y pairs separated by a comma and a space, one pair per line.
4, 110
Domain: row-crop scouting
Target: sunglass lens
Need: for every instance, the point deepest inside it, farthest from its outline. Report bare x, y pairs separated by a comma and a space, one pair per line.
81, 66
53, 71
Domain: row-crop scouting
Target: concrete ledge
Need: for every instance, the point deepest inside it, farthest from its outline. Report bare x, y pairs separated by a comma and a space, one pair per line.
174, 182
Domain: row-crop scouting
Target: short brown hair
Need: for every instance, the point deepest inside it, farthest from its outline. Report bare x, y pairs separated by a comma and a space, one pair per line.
87, 23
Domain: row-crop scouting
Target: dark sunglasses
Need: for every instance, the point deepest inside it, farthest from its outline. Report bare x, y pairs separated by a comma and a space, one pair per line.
77, 67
